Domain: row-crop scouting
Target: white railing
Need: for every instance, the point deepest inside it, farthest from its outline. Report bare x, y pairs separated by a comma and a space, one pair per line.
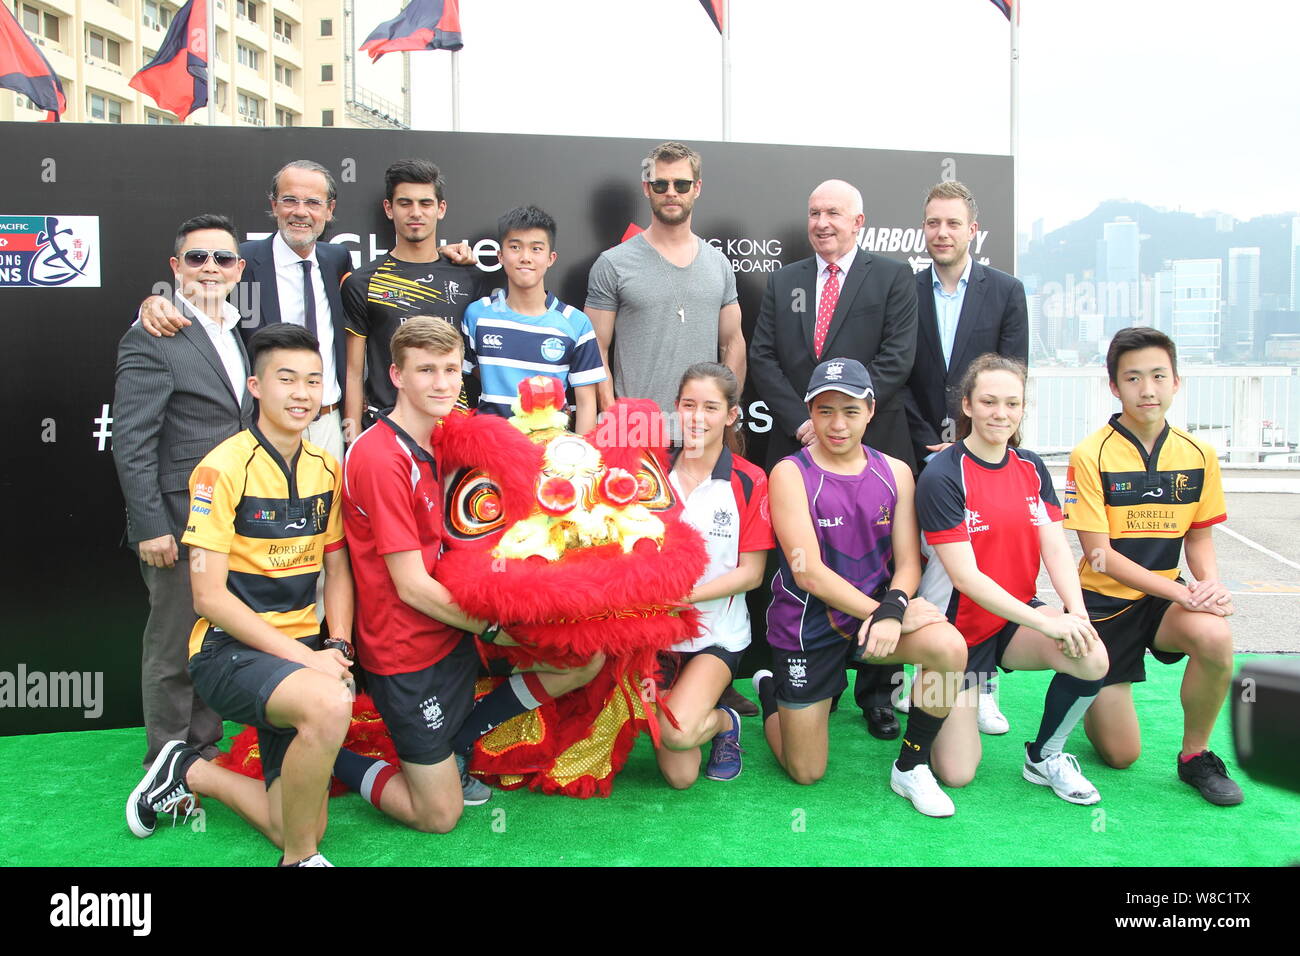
1250, 414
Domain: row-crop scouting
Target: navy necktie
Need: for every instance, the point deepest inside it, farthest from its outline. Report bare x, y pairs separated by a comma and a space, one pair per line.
308, 299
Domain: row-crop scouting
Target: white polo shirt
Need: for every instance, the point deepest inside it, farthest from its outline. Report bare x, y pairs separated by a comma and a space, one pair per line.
730, 511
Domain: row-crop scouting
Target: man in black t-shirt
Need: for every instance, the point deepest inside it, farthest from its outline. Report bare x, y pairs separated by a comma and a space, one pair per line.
413, 279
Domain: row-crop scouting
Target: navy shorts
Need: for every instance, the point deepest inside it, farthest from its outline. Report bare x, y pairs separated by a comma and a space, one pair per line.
425, 709
237, 680
1129, 634
672, 663
805, 677
984, 658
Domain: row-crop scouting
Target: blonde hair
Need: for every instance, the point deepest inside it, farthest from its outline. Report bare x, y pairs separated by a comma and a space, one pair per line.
952, 190
425, 332
669, 152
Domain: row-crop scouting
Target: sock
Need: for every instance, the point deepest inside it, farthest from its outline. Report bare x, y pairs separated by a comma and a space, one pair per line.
921, 730
1182, 759
518, 695
366, 775
184, 764
1067, 698
767, 697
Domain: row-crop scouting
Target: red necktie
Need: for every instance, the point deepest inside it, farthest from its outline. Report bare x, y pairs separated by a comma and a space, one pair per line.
826, 307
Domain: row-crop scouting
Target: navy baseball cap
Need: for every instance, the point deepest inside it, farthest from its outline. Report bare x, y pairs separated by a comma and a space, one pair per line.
840, 375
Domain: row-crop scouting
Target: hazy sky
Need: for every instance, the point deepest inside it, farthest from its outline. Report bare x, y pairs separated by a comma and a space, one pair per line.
1187, 104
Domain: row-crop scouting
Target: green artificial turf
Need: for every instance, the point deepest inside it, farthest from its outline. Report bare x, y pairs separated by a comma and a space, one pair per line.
65, 793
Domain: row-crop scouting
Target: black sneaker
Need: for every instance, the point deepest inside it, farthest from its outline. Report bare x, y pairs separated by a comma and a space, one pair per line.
1207, 774
162, 790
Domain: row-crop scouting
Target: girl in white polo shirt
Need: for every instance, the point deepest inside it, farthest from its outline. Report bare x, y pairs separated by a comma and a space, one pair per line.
725, 499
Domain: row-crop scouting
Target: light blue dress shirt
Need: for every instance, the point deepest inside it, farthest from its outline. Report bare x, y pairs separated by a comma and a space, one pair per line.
947, 310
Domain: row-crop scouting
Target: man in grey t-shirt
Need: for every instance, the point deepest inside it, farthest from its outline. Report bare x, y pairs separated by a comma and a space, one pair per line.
665, 298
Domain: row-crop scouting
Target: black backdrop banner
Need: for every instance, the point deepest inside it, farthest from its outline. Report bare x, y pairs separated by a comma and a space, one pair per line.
87, 217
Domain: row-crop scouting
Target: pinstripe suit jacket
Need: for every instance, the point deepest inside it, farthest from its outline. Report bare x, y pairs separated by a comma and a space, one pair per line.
172, 404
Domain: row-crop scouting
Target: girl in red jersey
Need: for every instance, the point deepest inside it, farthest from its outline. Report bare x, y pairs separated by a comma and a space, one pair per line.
725, 499
989, 514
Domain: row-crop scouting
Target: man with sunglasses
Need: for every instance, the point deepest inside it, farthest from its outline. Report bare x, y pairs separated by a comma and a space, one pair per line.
176, 398
664, 299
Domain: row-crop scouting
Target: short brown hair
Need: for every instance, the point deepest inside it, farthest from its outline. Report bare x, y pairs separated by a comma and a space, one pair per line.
1134, 337
988, 362
669, 152
425, 332
952, 190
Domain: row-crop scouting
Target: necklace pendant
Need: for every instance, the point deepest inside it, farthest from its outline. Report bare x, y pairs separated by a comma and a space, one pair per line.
681, 315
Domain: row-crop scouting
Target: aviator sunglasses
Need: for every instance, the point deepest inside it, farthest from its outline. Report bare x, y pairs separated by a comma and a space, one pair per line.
198, 257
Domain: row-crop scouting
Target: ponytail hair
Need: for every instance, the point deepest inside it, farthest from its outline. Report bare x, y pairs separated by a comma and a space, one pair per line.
988, 362
733, 439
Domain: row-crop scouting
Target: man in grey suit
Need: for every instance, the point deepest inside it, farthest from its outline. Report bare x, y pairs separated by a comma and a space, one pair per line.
175, 399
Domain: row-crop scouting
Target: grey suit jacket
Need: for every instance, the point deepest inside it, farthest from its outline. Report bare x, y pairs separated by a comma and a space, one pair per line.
172, 404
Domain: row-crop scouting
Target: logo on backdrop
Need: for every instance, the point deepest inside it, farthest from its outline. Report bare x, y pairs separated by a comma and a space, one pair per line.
750, 255
49, 251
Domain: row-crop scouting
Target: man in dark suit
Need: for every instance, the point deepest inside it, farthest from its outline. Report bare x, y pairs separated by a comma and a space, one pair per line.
176, 399
844, 302
964, 310
291, 277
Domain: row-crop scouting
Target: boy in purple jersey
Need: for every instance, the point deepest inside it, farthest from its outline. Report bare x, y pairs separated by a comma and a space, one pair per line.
850, 560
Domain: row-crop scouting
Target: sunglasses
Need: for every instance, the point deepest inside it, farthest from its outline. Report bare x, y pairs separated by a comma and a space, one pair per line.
680, 186
198, 257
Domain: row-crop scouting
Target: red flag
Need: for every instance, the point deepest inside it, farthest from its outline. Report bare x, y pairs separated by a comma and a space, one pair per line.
423, 25
714, 9
177, 76
1004, 6
24, 69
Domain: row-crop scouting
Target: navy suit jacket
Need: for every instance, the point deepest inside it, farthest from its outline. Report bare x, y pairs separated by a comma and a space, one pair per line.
335, 264
994, 318
874, 322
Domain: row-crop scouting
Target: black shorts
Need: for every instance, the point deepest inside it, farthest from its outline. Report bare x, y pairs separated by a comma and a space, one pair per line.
1127, 636
424, 709
984, 658
805, 677
237, 680
672, 663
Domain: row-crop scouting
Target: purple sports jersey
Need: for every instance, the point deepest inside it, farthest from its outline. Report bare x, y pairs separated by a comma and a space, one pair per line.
854, 519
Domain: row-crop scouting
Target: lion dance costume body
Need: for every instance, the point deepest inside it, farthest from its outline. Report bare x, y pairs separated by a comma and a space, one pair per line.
576, 546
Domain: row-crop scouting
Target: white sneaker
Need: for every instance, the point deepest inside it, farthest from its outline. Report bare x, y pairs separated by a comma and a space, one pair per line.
919, 786
1061, 773
991, 719
314, 860
758, 676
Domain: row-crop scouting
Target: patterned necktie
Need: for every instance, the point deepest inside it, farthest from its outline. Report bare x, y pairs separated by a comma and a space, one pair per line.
308, 299
826, 307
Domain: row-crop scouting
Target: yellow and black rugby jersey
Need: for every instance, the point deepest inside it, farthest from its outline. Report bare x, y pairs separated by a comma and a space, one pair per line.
274, 519
1145, 503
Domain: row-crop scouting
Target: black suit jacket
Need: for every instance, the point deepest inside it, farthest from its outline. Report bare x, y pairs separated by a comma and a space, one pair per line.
335, 263
994, 318
874, 322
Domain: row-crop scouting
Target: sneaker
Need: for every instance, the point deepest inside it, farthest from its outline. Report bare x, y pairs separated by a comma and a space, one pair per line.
472, 790
1207, 774
1061, 772
919, 786
314, 860
724, 755
162, 790
991, 720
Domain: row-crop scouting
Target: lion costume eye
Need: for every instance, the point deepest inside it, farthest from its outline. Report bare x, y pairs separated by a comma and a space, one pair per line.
475, 506
652, 488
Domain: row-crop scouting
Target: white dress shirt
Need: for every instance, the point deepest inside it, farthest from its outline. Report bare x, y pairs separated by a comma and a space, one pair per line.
288, 283
223, 339
844, 262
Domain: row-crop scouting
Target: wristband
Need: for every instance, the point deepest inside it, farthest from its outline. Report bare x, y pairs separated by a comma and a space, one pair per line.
489, 635
892, 607
343, 647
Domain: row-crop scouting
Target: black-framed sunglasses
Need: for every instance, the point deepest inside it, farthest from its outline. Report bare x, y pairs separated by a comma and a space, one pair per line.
194, 258
680, 186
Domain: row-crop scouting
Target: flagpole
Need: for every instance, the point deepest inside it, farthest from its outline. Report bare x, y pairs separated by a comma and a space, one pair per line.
455, 90
209, 7
1015, 132
726, 70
